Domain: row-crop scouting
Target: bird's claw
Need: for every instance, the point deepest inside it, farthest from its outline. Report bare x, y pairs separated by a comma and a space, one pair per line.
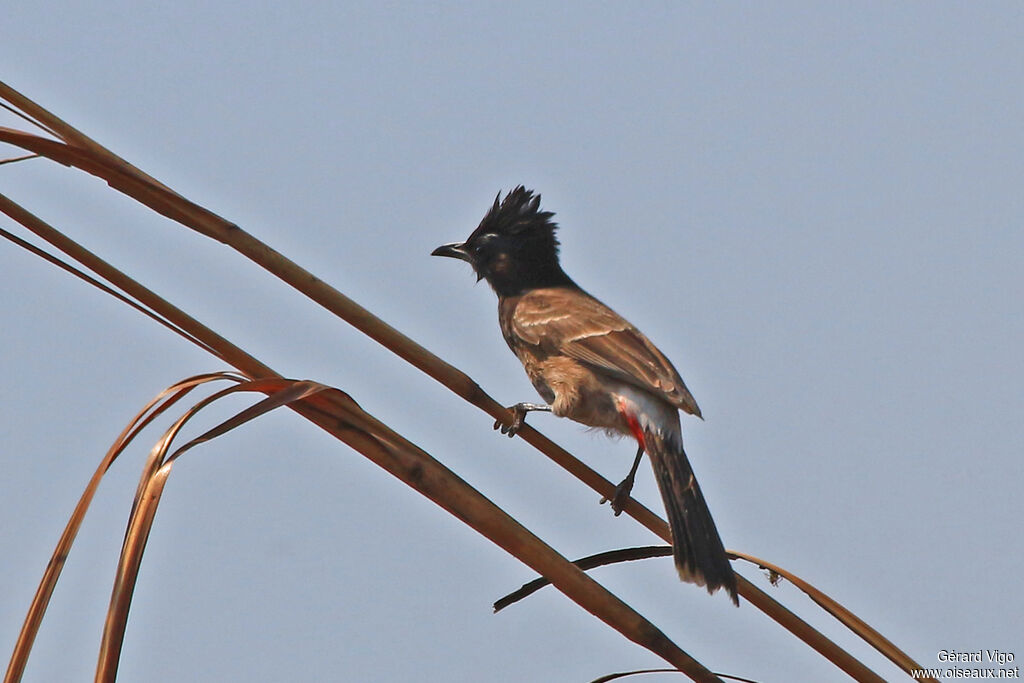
518, 420
620, 498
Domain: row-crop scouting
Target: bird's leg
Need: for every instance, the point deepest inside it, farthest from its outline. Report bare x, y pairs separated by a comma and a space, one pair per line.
519, 412
625, 487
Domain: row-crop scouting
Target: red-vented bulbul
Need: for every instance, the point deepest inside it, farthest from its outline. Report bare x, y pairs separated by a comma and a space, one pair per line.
592, 366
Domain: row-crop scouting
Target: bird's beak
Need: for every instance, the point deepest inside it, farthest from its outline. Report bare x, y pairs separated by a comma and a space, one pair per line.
454, 250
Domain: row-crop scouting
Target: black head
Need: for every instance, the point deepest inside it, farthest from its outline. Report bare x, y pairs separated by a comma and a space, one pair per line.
514, 247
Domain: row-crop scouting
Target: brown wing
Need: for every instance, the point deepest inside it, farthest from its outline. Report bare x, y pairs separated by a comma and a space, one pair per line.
573, 323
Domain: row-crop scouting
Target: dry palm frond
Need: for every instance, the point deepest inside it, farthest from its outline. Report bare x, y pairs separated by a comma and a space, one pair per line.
342, 417
157, 469
458, 381
78, 150
37, 609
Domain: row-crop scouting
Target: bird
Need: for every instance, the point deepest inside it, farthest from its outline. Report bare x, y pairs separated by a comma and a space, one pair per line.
591, 365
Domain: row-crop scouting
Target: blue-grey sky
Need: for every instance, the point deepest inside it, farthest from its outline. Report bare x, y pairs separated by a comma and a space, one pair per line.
814, 209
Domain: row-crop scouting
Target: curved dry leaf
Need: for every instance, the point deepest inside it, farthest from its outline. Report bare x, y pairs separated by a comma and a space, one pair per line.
41, 600
154, 477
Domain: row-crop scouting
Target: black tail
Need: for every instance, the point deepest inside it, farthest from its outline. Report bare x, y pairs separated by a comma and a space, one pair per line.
699, 553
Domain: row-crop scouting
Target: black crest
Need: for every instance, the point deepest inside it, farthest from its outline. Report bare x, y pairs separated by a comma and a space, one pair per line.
519, 215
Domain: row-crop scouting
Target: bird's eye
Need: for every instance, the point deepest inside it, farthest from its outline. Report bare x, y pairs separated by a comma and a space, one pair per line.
480, 242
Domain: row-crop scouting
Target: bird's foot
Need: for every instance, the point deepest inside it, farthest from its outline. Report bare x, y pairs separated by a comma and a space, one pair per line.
621, 496
519, 412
